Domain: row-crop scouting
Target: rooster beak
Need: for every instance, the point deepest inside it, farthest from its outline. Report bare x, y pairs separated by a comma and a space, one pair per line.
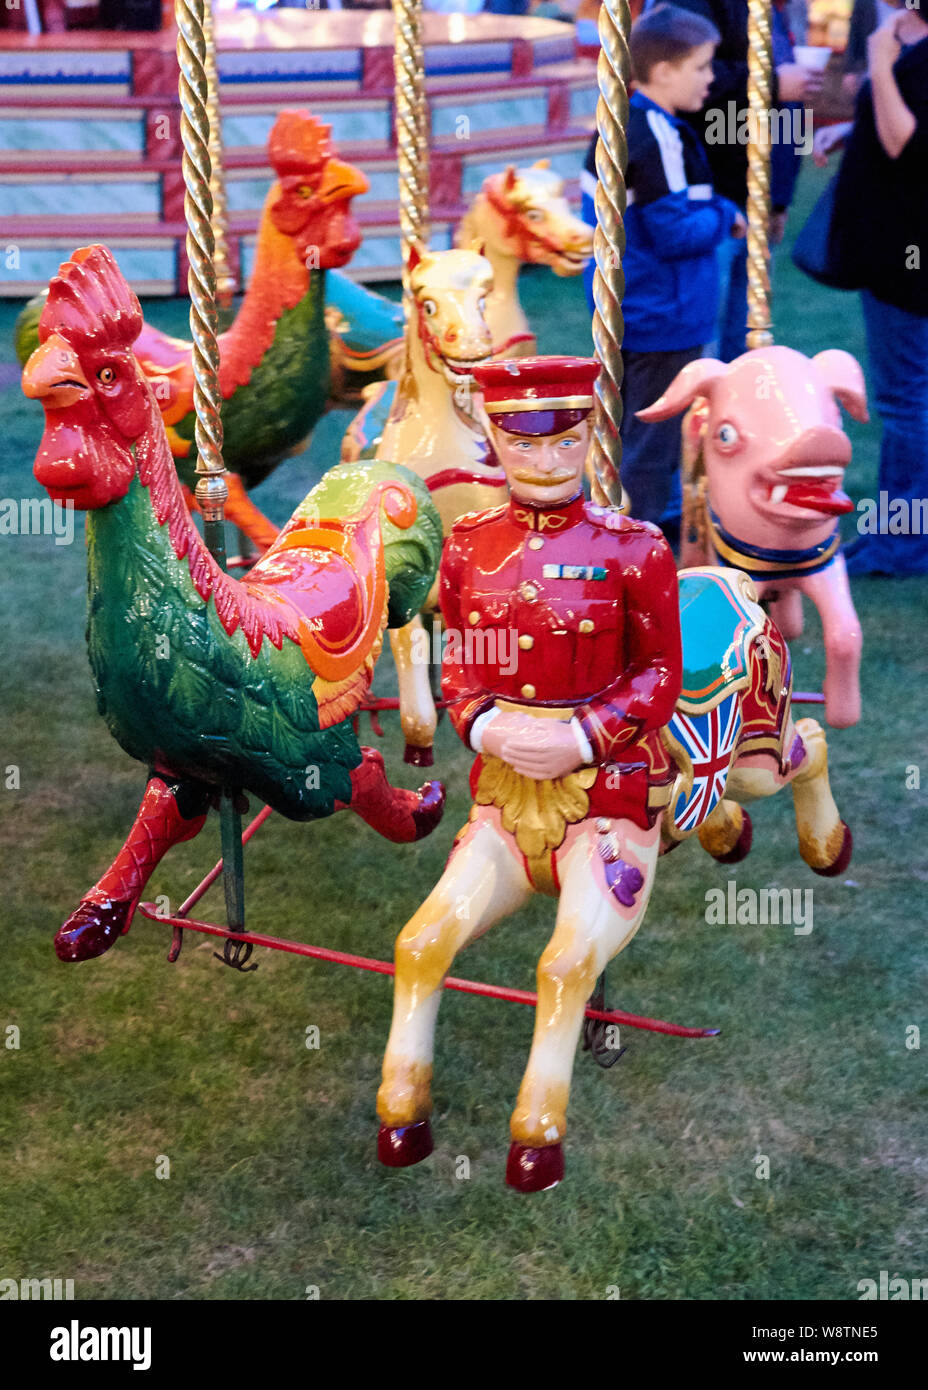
341, 181
54, 375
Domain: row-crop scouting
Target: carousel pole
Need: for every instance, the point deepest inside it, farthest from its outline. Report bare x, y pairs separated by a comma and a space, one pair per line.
225, 280
760, 73
412, 136
613, 70
609, 248
211, 489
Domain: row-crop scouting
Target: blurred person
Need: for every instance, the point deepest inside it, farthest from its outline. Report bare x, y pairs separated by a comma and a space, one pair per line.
878, 236
674, 223
792, 86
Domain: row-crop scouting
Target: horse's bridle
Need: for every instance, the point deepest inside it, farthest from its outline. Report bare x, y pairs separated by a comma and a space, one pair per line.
516, 226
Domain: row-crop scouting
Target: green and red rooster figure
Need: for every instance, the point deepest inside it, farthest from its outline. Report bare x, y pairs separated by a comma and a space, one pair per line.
210, 682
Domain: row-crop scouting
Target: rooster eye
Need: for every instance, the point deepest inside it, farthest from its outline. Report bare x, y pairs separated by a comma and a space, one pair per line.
106, 375
304, 191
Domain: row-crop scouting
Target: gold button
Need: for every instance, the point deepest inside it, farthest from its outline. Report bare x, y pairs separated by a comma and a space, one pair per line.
473, 616
528, 692
528, 592
526, 642
535, 543
586, 625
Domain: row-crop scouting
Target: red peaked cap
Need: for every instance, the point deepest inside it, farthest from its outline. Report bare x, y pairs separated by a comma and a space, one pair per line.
537, 395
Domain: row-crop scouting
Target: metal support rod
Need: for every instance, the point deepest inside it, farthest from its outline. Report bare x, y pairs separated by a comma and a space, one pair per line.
760, 77
609, 247
384, 967
225, 280
211, 489
411, 116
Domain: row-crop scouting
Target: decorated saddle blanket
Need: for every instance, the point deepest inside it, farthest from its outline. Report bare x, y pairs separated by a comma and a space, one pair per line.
719, 619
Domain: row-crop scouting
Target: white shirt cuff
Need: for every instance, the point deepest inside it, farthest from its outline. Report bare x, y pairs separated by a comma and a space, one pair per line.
583, 743
478, 726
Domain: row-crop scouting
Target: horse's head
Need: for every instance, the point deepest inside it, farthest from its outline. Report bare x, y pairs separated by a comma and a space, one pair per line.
311, 201
449, 290
97, 403
524, 213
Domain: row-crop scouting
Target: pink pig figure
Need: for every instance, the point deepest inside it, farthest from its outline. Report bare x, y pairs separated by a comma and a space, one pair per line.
775, 452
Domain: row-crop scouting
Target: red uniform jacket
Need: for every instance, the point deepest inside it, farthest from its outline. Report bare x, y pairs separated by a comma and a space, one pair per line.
574, 606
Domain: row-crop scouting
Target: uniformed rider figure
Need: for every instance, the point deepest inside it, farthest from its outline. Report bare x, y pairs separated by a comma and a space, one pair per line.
571, 773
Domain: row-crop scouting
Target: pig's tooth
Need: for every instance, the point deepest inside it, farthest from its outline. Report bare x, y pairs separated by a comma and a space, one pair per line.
778, 493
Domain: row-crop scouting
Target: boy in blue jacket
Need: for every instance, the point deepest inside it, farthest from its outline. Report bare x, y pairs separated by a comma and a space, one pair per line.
673, 226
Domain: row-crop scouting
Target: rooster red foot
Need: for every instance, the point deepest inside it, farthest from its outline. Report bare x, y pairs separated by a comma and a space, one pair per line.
398, 815
92, 929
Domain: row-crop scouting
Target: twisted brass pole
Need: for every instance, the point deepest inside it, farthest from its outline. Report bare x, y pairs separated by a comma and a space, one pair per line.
412, 143
609, 248
211, 490
760, 70
225, 280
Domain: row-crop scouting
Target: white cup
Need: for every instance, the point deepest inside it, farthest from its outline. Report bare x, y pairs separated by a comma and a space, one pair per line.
812, 56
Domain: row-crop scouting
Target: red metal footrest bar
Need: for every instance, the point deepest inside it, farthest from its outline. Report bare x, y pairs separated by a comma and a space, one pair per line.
383, 967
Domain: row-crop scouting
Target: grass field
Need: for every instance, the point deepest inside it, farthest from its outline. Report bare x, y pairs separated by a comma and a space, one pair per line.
274, 1184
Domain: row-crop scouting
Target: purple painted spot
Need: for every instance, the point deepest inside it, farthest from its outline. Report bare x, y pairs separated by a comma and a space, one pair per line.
797, 753
624, 880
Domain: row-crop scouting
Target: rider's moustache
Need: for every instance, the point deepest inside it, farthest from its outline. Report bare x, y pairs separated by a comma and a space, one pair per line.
543, 479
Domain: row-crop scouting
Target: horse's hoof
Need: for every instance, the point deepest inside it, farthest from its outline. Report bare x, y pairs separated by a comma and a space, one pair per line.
843, 859
534, 1170
430, 809
418, 757
742, 846
92, 929
400, 1146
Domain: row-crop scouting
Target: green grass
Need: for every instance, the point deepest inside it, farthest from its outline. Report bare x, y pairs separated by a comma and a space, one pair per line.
273, 1182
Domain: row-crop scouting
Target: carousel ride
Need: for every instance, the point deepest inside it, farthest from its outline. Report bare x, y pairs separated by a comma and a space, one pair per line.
255, 684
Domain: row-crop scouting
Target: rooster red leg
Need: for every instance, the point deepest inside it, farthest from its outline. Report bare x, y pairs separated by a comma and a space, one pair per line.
398, 815
171, 811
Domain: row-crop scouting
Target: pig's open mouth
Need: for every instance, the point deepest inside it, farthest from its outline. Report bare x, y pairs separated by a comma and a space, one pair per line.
811, 487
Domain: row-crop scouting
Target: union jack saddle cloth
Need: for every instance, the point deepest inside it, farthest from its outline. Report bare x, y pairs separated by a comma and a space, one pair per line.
719, 619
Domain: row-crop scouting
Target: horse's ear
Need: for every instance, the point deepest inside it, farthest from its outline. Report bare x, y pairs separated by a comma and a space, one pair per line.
509, 178
416, 253
542, 164
479, 246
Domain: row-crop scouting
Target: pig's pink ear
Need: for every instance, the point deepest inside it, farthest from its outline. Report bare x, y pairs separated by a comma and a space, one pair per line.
846, 379
695, 380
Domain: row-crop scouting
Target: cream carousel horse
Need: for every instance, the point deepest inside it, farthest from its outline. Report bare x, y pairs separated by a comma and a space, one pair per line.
522, 217
519, 217
432, 429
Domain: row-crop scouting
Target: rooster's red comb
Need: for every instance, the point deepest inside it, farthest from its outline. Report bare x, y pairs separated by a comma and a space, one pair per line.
90, 304
299, 143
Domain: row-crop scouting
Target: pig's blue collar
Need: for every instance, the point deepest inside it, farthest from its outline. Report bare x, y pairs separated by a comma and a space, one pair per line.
760, 563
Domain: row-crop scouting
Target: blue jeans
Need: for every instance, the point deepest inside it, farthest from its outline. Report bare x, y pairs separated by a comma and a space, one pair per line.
897, 347
733, 300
